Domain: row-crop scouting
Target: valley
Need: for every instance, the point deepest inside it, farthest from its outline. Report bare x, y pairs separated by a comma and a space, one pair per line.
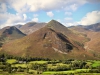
49, 37
50, 49
10, 65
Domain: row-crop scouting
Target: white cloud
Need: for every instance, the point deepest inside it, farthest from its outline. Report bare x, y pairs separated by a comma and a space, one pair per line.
74, 7
7, 19
25, 16
68, 19
24, 6
35, 19
68, 13
58, 20
35, 15
91, 18
50, 14
45, 5
67, 24
3, 7
93, 1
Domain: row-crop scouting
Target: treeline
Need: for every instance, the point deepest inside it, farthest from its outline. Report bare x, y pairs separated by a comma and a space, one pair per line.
70, 64
4, 57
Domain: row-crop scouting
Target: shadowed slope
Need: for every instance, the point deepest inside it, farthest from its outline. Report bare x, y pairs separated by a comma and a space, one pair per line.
10, 33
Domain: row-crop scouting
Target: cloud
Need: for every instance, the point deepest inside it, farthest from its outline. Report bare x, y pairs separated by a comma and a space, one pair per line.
45, 5
25, 16
35, 19
58, 20
68, 19
74, 7
70, 24
91, 18
8, 19
24, 6
68, 13
3, 7
93, 1
35, 15
50, 14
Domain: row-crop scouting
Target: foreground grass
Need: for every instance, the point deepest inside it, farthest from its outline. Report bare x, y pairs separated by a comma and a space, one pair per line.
88, 74
50, 74
13, 74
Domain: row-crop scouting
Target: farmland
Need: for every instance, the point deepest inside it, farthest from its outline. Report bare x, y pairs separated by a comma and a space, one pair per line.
10, 65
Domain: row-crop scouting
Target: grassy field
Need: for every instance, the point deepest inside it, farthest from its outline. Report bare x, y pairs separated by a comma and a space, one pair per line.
50, 74
52, 67
88, 74
11, 61
96, 63
66, 72
20, 65
39, 62
13, 74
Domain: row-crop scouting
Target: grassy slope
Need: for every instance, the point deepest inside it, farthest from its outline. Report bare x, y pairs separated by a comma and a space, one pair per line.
92, 45
33, 44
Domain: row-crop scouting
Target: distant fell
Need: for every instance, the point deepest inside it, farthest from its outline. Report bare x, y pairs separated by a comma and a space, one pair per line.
30, 27
10, 33
94, 27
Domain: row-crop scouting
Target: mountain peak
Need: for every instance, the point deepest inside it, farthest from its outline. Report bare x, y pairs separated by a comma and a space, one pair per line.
45, 42
57, 26
12, 32
30, 24
11, 29
53, 22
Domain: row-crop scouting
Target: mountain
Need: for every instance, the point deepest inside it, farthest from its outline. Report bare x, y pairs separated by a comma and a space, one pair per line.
10, 33
77, 38
18, 26
92, 45
94, 27
30, 27
48, 42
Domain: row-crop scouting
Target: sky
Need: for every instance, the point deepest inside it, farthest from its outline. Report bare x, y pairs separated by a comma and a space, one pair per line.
68, 12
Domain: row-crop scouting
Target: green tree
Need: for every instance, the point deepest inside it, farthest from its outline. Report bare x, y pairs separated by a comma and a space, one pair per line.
9, 68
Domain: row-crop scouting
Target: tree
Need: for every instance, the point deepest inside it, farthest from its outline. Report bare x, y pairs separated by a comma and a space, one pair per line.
9, 68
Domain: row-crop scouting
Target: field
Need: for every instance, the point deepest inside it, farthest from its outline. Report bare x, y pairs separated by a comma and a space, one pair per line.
39, 62
11, 61
35, 66
66, 72
96, 63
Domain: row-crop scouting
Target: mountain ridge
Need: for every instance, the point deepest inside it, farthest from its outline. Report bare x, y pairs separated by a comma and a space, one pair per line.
48, 42
10, 33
